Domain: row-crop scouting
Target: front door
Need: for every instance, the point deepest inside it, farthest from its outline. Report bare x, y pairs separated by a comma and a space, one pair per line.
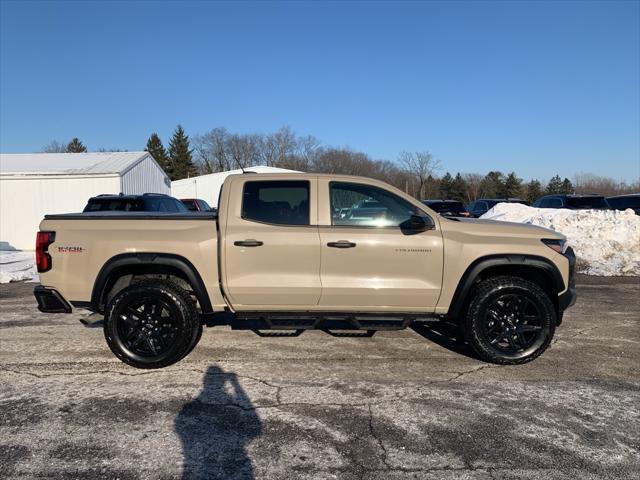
271, 245
369, 262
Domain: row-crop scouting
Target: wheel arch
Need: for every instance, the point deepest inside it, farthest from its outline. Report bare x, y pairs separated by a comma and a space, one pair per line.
530, 267
142, 263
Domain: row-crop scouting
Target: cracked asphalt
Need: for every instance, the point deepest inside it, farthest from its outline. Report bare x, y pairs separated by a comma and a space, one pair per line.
407, 404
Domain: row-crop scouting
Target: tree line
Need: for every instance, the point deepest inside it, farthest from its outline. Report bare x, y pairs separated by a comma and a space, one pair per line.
417, 173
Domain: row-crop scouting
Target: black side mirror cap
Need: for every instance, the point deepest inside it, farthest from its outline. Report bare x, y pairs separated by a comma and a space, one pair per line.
417, 224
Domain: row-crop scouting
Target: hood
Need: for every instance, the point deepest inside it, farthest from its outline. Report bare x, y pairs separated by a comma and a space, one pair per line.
499, 228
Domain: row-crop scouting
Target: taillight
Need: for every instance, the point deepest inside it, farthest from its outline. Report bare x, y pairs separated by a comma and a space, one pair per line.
43, 259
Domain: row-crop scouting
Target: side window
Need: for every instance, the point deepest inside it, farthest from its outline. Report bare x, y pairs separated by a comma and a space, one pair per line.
278, 202
555, 203
169, 205
360, 205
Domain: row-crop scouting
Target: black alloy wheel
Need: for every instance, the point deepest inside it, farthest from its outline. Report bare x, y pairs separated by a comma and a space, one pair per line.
148, 327
509, 320
152, 324
512, 323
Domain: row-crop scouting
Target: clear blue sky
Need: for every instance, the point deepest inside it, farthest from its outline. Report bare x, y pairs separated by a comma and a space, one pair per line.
540, 87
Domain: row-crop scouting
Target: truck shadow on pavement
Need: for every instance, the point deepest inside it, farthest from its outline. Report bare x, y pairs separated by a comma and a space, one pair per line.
216, 428
446, 335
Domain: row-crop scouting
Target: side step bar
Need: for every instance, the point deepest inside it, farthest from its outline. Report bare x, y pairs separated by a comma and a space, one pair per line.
327, 321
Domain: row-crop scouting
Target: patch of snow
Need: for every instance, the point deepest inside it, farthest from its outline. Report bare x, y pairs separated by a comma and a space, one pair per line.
606, 242
16, 265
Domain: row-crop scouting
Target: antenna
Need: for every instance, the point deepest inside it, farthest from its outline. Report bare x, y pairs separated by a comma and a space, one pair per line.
242, 168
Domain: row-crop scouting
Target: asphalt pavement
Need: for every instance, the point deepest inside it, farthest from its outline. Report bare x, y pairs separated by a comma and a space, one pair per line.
407, 404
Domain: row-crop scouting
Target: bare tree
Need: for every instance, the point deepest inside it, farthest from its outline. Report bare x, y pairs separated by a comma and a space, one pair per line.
277, 147
607, 186
212, 153
420, 165
473, 189
54, 146
244, 150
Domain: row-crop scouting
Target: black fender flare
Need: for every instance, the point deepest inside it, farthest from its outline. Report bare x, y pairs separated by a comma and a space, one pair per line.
149, 259
546, 266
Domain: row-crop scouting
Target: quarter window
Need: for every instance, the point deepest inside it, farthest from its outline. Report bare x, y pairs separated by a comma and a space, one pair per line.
360, 205
277, 202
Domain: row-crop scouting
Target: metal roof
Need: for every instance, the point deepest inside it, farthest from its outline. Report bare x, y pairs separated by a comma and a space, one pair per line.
69, 163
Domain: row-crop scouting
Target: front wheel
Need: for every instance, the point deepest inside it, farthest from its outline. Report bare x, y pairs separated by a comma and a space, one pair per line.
509, 320
152, 324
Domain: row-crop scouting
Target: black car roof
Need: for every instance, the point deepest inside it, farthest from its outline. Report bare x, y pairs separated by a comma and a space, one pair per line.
128, 197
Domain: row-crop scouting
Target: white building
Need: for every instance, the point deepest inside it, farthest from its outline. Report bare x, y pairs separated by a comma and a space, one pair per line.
34, 184
207, 187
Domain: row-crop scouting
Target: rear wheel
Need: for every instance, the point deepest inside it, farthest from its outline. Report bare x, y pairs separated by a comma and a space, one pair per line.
152, 324
509, 320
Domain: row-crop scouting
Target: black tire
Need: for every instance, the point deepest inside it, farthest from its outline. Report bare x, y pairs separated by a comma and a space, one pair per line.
509, 320
152, 324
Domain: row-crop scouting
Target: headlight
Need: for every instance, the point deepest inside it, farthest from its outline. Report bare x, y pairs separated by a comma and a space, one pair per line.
559, 246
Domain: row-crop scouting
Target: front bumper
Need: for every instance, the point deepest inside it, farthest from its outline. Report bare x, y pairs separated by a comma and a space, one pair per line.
50, 301
568, 298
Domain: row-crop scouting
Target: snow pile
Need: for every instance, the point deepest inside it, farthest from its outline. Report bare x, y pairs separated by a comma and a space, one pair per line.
16, 265
606, 242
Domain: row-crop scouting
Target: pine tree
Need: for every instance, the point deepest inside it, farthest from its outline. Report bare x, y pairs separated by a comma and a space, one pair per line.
492, 184
512, 186
76, 146
458, 188
181, 163
446, 186
534, 191
158, 152
567, 186
554, 185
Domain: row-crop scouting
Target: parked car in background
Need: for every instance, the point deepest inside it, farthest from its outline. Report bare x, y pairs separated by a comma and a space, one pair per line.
447, 208
147, 202
622, 202
483, 205
196, 205
574, 202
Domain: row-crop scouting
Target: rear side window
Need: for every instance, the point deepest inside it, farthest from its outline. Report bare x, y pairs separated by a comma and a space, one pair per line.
110, 205
190, 204
277, 202
587, 202
622, 203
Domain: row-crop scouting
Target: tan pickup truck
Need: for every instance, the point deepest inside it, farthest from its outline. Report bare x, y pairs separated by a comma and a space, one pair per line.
302, 251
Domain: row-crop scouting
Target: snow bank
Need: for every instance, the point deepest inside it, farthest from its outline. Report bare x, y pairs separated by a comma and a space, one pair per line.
16, 265
606, 242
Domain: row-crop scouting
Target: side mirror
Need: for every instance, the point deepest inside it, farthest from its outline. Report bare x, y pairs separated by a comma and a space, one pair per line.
417, 224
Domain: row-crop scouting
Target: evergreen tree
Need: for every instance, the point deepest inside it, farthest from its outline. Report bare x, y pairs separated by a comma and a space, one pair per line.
534, 191
554, 185
76, 146
492, 184
158, 152
512, 186
458, 188
446, 186
181, 163
567, 186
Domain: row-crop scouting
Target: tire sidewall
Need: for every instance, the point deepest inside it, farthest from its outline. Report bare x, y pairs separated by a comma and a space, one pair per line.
182, 313
482, 301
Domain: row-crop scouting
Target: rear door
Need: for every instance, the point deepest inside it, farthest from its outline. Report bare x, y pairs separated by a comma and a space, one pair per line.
271, 245
369, 262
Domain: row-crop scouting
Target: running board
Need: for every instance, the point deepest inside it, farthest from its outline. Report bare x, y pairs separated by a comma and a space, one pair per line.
327, 321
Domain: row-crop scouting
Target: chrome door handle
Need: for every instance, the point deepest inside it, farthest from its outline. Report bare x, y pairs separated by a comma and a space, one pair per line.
248, 243
341, 244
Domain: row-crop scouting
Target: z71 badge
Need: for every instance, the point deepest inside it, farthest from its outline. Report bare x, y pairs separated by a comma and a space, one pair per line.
70, 249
